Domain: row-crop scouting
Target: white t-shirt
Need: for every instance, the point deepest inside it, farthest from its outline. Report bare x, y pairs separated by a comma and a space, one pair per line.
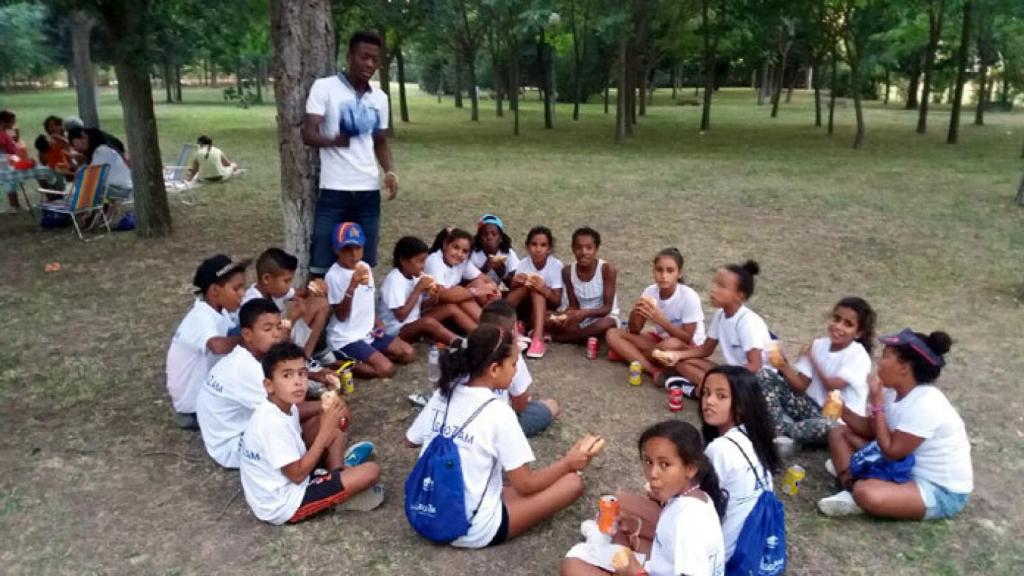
253, 292
448, 276
735, 476
188, 359
361, 314
394, 292
687, 540
271, 441
226, 401
737, 335
944, 458
118, 174
478, 258
551, 272
494, 434
852, 364
682, 307
520, 382
353, 168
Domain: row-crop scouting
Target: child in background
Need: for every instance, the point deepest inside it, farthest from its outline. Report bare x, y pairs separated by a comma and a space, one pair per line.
537, 285
404, 292
353, 331
744, 335
592, 308
671, 306
840, 361
459, 281
234, 387
740, 443
688, 537
908, 416
202, 337
308, 312
493, 441
277, 466
535, 416
492, 251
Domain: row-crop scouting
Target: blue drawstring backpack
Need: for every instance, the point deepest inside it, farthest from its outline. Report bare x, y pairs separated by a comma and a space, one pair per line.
435, 502
761, 545
869, 462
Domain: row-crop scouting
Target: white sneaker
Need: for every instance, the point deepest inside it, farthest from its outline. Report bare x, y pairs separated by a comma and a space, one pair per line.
831, 468
841, 504
366, 500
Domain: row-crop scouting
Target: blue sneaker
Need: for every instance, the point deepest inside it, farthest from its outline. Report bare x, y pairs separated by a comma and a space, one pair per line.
358, 453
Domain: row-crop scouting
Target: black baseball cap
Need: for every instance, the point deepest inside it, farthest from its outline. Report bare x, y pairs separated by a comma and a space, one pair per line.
216, 268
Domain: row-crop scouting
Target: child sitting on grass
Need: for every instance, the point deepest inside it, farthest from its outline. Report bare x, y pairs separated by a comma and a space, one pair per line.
537, 285
353, 331
307, 312
202, 337
592, 307
406, 290
459, 281
277, 464
535, 416
492, 250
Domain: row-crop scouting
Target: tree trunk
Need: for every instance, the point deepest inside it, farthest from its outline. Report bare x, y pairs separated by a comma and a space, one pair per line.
779, 79
385, 82
935, 18
258, 75
913, 84
499, 77
630, 95
607, 89
402, 103
709, 68
514, 92
789, 86
544, 53
177, 83
167, 82
238, 75
675, 81
474, 96
213, 74
69, 76
642, 81
763, 86
816, 84
832, 90
961, 74
576, 79
858, 108
458, 78
979, 112
303, 50
1020, 190
888, 86
81, 25
620, 99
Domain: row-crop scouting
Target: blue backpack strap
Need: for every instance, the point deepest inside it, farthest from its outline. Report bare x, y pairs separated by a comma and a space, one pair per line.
456, 433
762, 485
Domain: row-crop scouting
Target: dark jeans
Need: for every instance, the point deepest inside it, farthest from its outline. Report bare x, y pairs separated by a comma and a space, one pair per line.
334, 207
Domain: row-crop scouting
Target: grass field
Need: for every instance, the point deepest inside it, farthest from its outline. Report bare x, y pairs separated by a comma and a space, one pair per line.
97, 480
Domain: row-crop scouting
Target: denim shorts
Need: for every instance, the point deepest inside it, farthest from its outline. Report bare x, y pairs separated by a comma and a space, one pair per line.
361, 350
535, 419
939, 502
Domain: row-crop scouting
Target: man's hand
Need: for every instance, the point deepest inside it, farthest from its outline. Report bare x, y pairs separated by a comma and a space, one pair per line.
341, 140
391, 184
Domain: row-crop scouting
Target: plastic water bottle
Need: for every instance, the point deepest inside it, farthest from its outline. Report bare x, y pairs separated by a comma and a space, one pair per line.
433, 366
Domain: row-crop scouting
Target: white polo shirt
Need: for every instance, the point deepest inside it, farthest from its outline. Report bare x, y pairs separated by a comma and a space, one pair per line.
354, 167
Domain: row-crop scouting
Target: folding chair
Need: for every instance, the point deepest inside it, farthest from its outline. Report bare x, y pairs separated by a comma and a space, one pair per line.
86, 196
175, 179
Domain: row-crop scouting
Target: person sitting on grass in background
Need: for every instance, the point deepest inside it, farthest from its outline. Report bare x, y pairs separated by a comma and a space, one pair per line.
202, 337
307, 309
210, 164
908, 416
354, 331
492, 250
493, 441
839, 362
405, 291
591, 305
743, 333
459, 282
537, 286
740, 437
687, 538
671, 306
278, 465
535, 416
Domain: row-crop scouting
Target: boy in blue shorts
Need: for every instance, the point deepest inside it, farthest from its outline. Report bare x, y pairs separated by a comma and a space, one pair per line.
353, 331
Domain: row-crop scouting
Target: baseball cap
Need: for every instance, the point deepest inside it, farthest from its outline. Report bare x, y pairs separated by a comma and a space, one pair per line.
348, 234
214, 269
908, 337
491, 219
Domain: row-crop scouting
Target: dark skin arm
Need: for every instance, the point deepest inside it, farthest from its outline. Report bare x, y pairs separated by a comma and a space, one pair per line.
344, 308
610, 275
894, 444
382, 150
311, 134
703, 351
222, 344
413, 299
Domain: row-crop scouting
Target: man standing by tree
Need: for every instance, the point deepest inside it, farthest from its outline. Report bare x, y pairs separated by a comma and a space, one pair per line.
347, 119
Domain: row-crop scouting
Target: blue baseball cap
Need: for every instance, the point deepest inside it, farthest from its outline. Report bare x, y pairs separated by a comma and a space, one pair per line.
907, 337
348, 234
491, 219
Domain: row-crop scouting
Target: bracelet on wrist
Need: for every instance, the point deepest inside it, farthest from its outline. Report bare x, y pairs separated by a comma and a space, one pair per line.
877, 409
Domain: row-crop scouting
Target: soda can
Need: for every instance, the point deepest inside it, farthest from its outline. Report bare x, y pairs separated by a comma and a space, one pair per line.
608, 514
791, 482
346, 382
636, 371
592, 348
675, 399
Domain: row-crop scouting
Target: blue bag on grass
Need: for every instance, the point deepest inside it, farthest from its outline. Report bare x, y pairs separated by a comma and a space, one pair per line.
869, 462
435, 502
761, 545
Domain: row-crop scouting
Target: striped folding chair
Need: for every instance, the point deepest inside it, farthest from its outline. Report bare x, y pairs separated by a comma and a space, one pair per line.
176, 180
86, 196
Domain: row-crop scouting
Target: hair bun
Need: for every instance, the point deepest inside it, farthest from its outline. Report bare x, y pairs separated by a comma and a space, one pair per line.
939, 342
752, 267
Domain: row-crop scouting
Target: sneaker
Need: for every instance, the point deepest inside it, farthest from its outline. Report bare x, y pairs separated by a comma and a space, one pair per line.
358, 453
417, 399
536, 349
524, 343
831, 468
547, 337
841, 504
366, 500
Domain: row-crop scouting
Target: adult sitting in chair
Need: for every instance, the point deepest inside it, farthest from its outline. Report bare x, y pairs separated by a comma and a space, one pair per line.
96, 150
210, 163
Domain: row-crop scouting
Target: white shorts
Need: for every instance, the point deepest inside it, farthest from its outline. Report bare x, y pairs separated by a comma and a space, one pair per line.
301, 333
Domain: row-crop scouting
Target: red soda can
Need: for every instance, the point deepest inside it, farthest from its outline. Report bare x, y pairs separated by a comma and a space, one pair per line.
675, 399
592, 348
